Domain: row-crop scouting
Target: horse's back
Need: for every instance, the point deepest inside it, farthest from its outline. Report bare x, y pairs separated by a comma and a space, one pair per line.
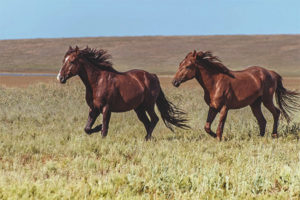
145, 78
249, 84
257, 73
267, 76
149, 82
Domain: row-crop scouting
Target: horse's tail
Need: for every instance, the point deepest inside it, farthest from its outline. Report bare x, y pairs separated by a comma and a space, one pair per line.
170, 114
287, 100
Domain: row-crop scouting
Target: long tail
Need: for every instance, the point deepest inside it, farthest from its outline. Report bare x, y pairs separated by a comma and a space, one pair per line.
170, 114
288, 101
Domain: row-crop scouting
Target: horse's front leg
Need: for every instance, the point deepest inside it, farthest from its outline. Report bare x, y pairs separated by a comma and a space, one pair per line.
106, 117
212, 112
223, 115
93, 114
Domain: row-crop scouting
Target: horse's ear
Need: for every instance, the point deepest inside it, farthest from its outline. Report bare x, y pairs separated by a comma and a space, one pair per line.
76, 49
194, 53
70, 48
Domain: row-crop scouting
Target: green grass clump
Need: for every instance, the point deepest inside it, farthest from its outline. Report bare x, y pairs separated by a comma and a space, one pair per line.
45, 154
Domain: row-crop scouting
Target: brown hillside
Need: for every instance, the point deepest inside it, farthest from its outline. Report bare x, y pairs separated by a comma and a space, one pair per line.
158, 54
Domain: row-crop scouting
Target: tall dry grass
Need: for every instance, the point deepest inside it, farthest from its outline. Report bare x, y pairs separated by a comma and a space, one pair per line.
45, 154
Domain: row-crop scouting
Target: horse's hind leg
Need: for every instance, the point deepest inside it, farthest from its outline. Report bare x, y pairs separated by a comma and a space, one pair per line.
212, 112
93, 114
223, 116
154, 120
256, 110
141, 113
105, 120
275, 112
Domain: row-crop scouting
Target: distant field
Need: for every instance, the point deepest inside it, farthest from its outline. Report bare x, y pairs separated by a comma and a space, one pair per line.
158, 54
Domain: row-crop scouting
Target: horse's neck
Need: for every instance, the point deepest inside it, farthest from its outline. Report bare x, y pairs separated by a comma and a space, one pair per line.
206, 79
89, 78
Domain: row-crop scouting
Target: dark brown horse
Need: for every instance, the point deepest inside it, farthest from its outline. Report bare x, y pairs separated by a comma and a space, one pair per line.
108, 90
225, 89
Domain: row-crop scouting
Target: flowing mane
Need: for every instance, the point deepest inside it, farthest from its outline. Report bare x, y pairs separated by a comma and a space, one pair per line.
213, 62
99, 58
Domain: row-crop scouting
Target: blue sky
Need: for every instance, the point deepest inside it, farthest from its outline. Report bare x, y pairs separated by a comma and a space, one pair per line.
89, 18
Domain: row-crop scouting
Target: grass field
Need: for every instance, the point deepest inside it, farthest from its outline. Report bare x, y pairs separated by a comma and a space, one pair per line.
45, 154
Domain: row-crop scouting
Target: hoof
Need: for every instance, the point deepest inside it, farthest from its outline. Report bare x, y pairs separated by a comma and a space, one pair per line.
88, 131
274, 135
147, 138
207, 130
212, 134
103, 135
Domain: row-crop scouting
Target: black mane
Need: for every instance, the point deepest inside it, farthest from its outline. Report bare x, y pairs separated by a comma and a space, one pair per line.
99, 58
213, 62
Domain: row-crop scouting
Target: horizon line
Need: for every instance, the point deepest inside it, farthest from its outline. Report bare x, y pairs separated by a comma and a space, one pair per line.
140, 36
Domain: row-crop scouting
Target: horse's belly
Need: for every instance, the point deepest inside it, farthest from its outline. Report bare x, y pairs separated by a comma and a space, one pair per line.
121, 109
240, 104
126, 103
242, 100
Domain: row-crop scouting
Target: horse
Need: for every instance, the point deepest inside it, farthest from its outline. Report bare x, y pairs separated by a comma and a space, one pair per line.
108, 90
225, 89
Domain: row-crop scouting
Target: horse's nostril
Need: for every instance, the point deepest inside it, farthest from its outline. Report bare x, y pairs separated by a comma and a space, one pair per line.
62, 79
176, 83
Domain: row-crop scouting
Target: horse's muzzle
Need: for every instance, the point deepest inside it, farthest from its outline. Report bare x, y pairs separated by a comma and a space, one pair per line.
62, 79
176, 83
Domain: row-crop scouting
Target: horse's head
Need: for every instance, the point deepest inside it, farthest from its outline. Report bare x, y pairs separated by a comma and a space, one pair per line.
71, 65
187, 69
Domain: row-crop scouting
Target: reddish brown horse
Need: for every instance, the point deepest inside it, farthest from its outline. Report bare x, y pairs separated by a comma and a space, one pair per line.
108, 90
225, 89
